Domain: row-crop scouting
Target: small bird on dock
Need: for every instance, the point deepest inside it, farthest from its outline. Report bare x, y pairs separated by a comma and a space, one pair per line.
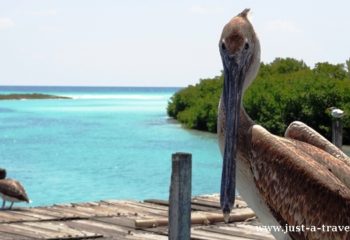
11, 190
336, 112
300, 180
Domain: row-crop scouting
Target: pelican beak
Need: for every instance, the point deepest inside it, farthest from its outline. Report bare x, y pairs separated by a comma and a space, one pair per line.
232, 93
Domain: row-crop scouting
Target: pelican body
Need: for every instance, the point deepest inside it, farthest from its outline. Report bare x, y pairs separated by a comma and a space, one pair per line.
297, 180
11, 190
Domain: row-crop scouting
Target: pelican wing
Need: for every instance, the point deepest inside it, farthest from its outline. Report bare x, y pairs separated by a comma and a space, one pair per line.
14, 189
302, 132
333, 164
298, 190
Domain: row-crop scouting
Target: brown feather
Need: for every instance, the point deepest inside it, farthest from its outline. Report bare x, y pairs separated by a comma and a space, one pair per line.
13, 189
333, 164
302, 132
244, 13
297, 188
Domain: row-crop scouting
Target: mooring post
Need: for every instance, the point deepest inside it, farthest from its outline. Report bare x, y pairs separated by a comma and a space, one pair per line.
337, 127
180, 197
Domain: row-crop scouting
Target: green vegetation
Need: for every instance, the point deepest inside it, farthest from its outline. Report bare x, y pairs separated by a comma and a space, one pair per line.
197, 106
16, 96
284, 91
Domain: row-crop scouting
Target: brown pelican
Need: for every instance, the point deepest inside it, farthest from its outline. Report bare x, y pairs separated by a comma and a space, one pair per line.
11, 190
299, 180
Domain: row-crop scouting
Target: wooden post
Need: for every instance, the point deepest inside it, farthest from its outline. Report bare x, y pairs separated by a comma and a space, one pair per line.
180, 197
337, 132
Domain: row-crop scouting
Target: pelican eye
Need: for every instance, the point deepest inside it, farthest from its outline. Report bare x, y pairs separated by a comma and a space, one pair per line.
246, 46
223, 46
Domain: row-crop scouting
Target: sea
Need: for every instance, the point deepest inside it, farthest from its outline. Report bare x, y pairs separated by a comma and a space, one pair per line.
103, 143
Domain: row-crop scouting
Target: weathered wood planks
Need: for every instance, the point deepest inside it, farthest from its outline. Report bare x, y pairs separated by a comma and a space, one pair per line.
118, 219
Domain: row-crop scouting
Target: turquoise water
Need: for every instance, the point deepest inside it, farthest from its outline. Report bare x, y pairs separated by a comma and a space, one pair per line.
105, 143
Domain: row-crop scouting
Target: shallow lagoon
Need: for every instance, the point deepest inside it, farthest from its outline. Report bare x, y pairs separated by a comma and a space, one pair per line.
105, 143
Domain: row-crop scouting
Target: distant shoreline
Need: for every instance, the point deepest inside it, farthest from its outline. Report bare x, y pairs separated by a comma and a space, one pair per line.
21, 96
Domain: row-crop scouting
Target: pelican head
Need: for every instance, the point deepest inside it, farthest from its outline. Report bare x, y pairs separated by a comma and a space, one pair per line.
2, 173
240, 54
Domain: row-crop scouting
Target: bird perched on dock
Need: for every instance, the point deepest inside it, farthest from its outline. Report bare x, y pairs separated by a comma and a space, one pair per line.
297, 180
11, 190
336, 112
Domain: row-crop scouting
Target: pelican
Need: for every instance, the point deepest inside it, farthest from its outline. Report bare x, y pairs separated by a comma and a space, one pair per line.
300, 179
11, 190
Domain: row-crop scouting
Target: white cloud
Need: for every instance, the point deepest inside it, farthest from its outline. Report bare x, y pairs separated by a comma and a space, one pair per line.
6, 23
44, 13
204, 10
282, 26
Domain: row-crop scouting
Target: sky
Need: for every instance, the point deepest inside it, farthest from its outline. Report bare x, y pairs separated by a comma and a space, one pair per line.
155, 42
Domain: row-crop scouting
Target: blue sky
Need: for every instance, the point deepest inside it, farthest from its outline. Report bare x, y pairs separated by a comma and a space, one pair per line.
154, 42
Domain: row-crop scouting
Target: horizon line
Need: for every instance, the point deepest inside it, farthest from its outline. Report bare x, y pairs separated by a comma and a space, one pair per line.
93, 86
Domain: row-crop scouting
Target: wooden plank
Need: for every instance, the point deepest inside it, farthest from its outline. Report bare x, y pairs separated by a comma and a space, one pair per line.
21, 216
149, 206
118, 208
202, 218
216, 197
76, 212
50, 213
134, 222
206, 203
40, 232
146, 236
104, 209
6, 216
12, 236
58, 212
116, 219
68, 212
214, 202
157, 201
105, 229
98, 210
15, 228
61, 230
162, 230
195, 207
199, 204
103, 224
37, 216
137, 209
151, 210
236, 215
88, 204
93, 210
125, 222
205, 235
166, 203
239, 232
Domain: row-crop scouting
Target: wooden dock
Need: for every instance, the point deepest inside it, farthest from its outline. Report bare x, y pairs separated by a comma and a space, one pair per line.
117, 219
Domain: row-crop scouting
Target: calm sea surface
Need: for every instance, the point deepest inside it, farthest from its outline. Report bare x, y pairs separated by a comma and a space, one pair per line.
104, 143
